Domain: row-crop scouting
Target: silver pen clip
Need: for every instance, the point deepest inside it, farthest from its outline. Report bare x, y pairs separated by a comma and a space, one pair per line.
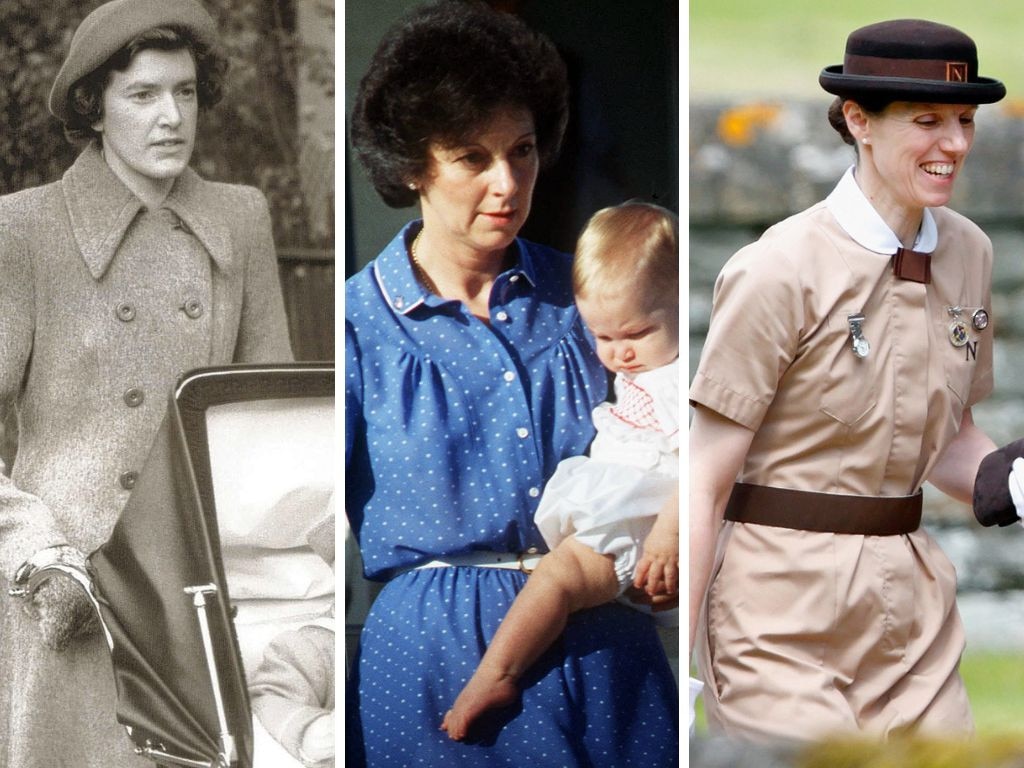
861, 347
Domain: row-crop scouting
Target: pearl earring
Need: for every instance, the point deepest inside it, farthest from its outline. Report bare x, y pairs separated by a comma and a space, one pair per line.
412, 185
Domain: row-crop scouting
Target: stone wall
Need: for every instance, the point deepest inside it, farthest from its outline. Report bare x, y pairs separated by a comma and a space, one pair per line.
754, 163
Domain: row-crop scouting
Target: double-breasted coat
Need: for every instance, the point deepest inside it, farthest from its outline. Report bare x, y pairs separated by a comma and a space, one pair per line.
103, 304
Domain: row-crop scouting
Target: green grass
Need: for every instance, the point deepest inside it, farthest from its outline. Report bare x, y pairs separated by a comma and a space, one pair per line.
754, 49
995, 686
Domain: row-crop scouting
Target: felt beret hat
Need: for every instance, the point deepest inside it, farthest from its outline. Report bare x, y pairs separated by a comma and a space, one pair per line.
911, 60
111, 26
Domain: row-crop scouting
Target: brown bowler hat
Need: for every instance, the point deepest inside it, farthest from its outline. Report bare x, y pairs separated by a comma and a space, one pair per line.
911, 60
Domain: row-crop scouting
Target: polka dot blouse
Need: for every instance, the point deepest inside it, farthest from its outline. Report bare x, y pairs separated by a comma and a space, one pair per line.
452, 425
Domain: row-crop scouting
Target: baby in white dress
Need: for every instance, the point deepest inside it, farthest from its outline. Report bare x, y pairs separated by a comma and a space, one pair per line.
611, 519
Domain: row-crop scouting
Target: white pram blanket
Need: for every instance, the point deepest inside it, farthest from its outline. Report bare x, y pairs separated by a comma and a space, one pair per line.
273, 475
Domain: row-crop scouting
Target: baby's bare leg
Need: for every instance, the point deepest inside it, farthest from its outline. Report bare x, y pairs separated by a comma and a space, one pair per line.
568, 579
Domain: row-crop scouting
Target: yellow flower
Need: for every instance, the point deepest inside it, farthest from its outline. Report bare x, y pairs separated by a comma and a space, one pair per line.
738, 126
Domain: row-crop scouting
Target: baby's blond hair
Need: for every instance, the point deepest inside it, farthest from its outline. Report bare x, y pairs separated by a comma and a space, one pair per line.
629, 247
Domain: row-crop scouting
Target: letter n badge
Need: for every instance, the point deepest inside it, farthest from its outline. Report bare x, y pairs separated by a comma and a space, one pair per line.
956, 72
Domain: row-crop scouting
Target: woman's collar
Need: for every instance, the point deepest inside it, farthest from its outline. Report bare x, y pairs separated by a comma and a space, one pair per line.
397, 281
101, 208
859, 219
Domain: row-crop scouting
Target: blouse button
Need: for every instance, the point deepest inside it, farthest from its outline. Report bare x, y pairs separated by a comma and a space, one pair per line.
193, 308
128, 480
508, 376
523, 432
503, 316
133, 397
534, 493
125, 312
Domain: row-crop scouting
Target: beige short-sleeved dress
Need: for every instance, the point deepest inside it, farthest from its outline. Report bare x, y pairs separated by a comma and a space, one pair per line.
805, 633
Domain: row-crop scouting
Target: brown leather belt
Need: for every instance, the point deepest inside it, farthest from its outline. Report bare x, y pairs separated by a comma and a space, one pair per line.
824, 512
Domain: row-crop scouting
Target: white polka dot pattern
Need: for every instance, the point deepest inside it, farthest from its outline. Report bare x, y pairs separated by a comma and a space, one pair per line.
450, 422
452, 428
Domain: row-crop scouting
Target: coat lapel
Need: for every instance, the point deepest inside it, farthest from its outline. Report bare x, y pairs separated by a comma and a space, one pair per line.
194, 202
101, 208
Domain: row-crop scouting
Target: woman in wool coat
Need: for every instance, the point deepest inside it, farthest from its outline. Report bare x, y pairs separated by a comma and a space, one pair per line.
114, 280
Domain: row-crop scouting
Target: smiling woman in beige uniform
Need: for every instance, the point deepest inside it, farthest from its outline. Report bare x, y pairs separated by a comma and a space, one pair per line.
845, 351
114, 280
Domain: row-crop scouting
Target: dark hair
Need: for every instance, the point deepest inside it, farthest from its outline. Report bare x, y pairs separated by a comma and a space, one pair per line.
872, 105
85, 98
438, 76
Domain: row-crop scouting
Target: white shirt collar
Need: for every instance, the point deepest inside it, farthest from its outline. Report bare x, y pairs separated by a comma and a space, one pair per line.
860, 220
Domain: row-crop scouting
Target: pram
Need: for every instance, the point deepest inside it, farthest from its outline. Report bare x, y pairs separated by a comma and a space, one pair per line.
207, 562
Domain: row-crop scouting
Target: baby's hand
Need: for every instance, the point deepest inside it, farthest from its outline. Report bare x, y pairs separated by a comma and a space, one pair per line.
657, 573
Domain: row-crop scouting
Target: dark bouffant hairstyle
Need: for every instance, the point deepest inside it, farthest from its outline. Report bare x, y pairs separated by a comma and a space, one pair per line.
85, 98
872, 105
438, 76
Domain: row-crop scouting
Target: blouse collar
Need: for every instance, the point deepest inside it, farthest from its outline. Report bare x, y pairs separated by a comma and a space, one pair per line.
859, 219
403, 291
101, 209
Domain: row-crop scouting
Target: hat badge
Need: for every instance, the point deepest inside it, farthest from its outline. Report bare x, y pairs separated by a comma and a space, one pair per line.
956, 71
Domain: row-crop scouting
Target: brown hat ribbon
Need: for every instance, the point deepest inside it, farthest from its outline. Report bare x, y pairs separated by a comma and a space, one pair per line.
925, 69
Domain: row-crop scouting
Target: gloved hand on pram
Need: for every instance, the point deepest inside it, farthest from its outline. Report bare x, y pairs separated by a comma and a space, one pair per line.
62, 611
993, 502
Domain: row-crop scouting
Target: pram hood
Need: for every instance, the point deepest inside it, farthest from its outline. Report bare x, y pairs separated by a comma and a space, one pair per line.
165, 545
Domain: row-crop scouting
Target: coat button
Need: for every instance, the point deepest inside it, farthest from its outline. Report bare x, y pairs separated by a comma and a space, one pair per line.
133, 397
193, 308
125, 312
128, 480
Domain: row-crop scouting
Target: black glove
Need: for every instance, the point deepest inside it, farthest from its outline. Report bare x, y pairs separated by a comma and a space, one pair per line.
63, 612
992, 502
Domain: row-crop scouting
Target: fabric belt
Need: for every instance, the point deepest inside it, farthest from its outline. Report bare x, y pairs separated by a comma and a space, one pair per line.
524, 562
824, 512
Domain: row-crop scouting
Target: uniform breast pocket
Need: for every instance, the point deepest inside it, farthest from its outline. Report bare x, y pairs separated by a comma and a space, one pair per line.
961, 340
849, 390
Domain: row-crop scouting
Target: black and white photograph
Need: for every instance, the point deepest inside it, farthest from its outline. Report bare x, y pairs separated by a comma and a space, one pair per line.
167, 419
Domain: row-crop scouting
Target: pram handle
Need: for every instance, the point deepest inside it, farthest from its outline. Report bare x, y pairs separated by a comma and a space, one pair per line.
48, 562
68, 561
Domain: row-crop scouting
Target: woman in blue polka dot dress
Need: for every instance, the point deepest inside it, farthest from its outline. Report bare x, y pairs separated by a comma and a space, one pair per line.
469, 376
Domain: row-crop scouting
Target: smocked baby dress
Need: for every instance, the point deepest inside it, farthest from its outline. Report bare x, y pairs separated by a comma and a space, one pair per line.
610, 499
